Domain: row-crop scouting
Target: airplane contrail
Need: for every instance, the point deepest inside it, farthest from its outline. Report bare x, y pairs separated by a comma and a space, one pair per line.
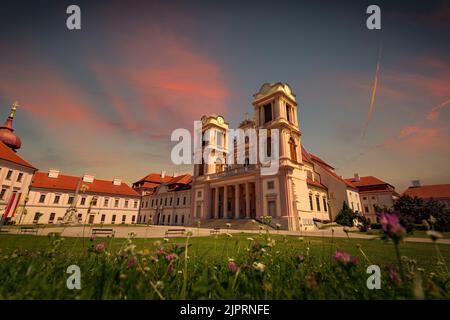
374, 92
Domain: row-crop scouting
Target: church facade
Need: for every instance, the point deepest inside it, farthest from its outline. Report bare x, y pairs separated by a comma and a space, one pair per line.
304, 190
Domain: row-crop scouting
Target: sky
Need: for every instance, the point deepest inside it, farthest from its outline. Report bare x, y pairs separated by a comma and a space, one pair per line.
105, 99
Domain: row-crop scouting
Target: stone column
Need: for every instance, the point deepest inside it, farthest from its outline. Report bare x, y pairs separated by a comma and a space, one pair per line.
247, 200
225, 202
236, 202
216, 203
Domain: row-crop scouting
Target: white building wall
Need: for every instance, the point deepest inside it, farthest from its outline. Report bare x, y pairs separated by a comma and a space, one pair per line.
99, 213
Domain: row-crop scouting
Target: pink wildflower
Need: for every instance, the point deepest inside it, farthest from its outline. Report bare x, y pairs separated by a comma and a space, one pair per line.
100, 247
391, 226
132, 262
232, 266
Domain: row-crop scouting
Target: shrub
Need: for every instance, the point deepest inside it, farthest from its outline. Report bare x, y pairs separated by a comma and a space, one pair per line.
345, 216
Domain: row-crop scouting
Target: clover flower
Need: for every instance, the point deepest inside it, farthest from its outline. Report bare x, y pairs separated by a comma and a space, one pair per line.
232, 266
390, 223
93, 237
132, 262
100, 247
345, 258
259, 266
171, 256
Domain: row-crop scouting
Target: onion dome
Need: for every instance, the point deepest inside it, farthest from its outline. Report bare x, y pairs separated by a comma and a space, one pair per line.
7, 135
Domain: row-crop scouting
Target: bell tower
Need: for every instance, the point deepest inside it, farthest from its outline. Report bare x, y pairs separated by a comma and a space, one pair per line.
275, 107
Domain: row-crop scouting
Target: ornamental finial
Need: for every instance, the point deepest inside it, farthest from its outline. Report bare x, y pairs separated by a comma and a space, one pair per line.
13, 109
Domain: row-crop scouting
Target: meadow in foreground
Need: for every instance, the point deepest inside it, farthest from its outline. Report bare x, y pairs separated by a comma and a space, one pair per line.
264, 266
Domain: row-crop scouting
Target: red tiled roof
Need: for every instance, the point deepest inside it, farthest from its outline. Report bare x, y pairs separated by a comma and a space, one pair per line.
65, 182
9, 155
317, 159
183, 179
305, 155
431, 191
367, 181
315, 183
156, 178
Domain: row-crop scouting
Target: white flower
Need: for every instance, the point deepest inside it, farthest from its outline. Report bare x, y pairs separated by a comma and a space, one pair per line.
166, 240
250, 239
259, 266
228, 225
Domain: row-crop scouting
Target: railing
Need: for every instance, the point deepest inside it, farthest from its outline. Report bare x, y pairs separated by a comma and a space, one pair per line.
232, 172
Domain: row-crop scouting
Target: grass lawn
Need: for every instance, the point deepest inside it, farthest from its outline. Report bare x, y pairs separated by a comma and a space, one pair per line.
415, 234
266, 266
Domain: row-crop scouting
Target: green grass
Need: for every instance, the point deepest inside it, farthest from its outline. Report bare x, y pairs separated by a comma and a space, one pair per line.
33, 267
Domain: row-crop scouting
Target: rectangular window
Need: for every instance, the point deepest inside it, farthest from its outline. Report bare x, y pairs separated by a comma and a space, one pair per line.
178, 201
102, 219
153, 202
116, 203
42, 198
9, 174
135, 204
83, 201
366, 209
219, 138
2, 193
288, 112
182, 219
199, 194
124, 218
133, 218
318, 203
80, 216
199, 211
325, 207
106, 202
267, 112
160, 201
184, 201
126, 203
165, 202
70, 200
52, 217
19, 177
94, 201
171, 200
168, 219
272, 208
163, 219
176, 219
56, 200
310, 203
364, 198
37, 215
270, 185
113, 219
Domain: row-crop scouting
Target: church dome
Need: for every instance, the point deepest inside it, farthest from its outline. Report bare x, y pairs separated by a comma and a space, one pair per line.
7, 135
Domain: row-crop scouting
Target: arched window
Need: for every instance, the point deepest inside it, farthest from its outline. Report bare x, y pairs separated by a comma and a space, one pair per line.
293, 149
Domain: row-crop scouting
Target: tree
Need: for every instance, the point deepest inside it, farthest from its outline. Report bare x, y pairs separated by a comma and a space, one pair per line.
415, 210
345, 216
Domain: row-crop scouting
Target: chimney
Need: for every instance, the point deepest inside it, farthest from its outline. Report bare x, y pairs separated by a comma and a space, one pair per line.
88, 178
357, 178
53, 173
416, 183
117, 181
163, 174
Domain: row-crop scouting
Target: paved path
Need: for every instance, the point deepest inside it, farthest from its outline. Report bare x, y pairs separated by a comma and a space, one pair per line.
159, 232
